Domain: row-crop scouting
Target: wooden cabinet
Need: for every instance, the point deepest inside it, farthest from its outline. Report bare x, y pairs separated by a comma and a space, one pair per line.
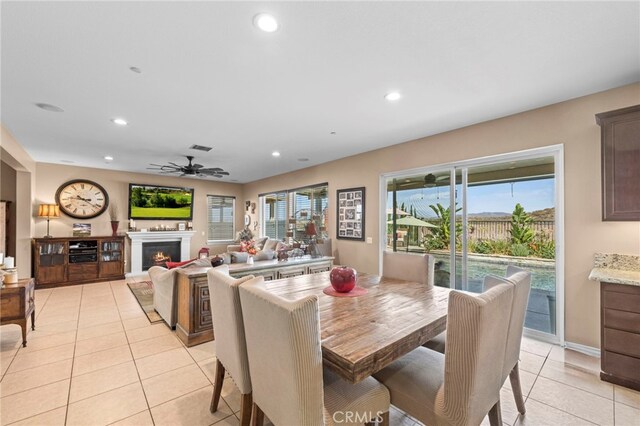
620, 334
64, 261
620, 163
17, 304
195, 323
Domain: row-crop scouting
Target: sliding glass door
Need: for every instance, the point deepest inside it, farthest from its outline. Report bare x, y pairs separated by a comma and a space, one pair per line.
479, 217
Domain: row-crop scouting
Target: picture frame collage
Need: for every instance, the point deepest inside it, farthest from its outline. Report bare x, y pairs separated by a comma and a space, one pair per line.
350, 214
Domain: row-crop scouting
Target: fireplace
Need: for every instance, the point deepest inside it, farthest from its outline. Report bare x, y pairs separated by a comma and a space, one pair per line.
182, 238
157, 253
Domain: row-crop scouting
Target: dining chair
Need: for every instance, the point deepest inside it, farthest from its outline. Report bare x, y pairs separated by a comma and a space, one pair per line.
231, 346
461, 386
522, 281
164, 293
408, 267
290, 385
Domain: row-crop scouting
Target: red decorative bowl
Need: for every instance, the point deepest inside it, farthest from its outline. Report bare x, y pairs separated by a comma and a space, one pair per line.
343, 278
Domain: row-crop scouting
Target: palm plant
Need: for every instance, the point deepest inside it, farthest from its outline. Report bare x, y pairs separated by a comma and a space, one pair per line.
441, 236
521, 231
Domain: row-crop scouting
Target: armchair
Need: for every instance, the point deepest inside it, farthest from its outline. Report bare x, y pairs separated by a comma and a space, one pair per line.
164, 293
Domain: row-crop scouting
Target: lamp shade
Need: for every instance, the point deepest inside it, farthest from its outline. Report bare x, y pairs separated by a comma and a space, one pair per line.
48, 210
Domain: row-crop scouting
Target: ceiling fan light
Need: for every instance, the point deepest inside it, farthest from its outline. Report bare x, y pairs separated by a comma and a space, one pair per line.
429, 180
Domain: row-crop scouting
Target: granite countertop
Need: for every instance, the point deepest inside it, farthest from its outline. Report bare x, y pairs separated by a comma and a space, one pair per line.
616, 269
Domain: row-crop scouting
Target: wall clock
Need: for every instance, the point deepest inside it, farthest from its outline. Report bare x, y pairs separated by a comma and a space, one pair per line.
82, 199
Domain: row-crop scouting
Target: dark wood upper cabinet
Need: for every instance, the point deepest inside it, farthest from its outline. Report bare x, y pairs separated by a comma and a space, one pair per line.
620, 163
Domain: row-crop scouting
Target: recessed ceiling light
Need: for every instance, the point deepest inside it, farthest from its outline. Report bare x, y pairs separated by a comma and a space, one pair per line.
303, 159
234, 180
265, 22
119, 121
275, 154
108, 158
392, 96
136, 70
49, 107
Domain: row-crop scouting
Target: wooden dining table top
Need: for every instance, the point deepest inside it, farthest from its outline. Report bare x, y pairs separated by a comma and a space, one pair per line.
362, 335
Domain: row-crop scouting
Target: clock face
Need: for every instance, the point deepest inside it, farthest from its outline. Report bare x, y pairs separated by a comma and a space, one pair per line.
82, 199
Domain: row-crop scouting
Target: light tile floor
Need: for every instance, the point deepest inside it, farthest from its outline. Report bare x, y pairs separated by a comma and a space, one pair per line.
94, 359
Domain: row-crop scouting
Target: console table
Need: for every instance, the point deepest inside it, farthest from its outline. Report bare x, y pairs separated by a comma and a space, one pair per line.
17, 302
195, 325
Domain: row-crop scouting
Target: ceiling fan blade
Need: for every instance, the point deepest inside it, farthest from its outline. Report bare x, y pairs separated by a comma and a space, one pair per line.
197, 166
212, 169
174, 164
157, 165
223, 173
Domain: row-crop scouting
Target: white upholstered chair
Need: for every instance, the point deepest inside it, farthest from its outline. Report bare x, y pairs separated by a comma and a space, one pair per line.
408, 267
522, 281
231, 347
285, 360
460, 387
164, 293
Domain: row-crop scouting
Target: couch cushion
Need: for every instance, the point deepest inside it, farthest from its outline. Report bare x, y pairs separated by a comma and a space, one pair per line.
259, 243
239, 256
265, 255
270, 244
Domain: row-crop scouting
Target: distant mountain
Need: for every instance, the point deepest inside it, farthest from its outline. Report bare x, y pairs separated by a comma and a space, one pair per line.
489, 215
545, 214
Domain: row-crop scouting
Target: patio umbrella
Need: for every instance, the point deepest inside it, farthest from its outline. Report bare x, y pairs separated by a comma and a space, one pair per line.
398, 212
412, 221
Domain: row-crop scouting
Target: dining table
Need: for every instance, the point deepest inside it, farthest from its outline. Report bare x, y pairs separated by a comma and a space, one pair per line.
363, 334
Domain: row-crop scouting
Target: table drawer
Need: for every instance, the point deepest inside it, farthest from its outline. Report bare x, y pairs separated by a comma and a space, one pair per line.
291, 272
622, 320
621, 301
622, 342
83, 271
621, 365
11, 306
323, 267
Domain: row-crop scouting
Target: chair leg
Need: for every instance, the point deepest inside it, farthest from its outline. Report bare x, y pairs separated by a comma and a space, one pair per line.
384, 419
514, 377
245, 409
495, 415
257, 416
217, 386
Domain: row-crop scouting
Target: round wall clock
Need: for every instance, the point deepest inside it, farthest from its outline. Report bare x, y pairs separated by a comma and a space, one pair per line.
82, 199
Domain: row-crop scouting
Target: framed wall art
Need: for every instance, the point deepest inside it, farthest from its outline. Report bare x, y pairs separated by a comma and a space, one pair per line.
350, 214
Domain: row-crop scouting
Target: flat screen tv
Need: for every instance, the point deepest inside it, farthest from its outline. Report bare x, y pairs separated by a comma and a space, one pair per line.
160, 202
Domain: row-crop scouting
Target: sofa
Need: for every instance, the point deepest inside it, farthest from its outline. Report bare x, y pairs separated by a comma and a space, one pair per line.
268, 249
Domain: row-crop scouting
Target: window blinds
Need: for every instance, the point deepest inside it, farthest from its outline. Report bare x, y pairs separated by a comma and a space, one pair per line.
220, 218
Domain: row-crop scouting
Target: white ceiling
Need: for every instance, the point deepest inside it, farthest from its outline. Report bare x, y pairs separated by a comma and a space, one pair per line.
209, 77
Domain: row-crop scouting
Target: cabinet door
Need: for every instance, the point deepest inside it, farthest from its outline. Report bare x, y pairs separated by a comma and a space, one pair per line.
202, 305
290, 272
620, 163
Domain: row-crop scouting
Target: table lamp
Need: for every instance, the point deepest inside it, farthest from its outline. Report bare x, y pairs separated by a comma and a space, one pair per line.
48, 211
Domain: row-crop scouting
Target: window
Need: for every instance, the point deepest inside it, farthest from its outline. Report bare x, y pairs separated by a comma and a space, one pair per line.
221, 224
285, 214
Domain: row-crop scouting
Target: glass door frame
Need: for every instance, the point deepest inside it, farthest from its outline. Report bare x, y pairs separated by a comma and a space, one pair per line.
555, 151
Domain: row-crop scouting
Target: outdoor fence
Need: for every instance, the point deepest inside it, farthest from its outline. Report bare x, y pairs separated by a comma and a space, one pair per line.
501, 229
479, 230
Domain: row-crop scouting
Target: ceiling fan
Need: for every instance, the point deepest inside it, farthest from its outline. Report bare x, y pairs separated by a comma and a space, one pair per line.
190, 169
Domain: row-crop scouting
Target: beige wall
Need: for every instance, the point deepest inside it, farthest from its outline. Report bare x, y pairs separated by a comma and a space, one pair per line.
570, 123
50, 176
14, 156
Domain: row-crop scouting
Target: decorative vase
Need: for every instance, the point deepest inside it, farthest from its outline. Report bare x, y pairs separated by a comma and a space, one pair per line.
114, 228
343, 278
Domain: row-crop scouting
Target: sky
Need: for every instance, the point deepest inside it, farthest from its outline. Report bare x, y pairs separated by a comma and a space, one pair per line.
501, 197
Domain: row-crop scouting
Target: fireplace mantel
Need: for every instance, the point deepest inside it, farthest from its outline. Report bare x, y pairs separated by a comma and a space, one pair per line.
137, 238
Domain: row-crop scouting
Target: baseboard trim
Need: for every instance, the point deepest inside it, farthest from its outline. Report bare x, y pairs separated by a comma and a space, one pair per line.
587, 350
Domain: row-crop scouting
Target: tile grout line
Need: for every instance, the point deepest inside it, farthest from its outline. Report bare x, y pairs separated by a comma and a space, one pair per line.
135, 364
66, 414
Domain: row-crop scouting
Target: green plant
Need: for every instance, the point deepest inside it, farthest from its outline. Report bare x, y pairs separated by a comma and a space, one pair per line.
521, 250
442, 234
543, 246
521, 231
481, 246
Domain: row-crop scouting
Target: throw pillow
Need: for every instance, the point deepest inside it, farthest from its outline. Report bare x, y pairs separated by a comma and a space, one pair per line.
216, 261
171, 265
281, 246
271, 244
259, 243
264, 255
239, 257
